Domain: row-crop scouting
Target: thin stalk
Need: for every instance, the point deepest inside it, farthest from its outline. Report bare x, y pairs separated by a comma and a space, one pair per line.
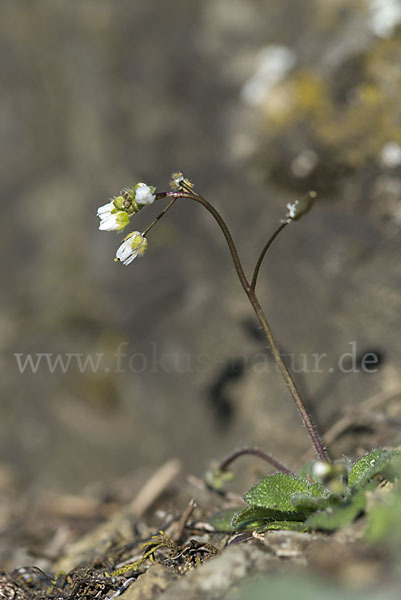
303, 413
263, 253
254, 452
250, 292
226, 232
157, 219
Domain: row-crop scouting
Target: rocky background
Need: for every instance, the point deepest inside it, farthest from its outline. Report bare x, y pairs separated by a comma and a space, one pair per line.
256, 102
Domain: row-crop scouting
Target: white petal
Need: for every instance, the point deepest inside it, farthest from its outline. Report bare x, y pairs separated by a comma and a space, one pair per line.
109, 223
124, 251
106, 208
129, 260
143, 194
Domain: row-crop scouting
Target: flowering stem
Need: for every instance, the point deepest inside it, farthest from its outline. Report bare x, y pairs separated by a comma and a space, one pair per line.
220, 221
250, 292
254, 452
263, 253
303, 413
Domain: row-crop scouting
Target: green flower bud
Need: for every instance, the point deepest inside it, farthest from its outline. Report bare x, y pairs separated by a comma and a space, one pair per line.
300, 207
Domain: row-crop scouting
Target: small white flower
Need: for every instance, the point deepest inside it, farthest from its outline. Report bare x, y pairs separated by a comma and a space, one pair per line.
116, 221
134, 245
144, 194
112, 219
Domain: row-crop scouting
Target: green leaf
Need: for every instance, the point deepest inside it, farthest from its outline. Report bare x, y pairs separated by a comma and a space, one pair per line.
253, 517
310, 504
222, 519
275, 492
284, 526
393, 469
366, 467
338, 516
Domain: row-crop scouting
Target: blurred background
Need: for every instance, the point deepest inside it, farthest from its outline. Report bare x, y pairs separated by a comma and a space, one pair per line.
256, 102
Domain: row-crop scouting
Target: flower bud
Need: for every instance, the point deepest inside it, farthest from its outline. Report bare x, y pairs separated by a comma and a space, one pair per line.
126, 202
133, 245
299, 208
144, 194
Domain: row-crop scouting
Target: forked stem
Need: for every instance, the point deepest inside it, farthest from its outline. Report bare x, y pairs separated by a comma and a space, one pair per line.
159, 216
249, 289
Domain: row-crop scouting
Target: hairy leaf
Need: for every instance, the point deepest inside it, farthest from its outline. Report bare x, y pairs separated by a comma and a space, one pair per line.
275, 491
393, 469
253, 517
312, 503
283, 525
369, 465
